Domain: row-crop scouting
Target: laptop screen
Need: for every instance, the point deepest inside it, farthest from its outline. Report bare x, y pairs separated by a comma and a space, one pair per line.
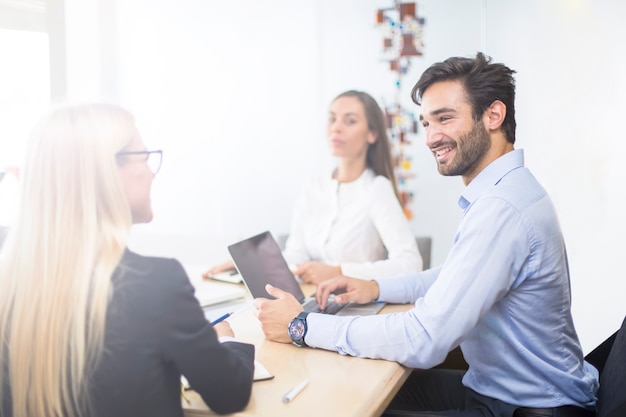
260, 262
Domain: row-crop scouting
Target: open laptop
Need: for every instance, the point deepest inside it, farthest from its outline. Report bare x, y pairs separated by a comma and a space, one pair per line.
260, 262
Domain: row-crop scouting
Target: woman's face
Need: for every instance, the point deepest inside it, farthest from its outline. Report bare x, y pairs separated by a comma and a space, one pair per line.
348, 132
137, 181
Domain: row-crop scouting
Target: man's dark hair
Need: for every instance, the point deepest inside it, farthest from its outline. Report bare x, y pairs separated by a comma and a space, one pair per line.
483, 82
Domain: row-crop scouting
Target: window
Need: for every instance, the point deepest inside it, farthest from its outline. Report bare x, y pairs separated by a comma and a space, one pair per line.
24, 97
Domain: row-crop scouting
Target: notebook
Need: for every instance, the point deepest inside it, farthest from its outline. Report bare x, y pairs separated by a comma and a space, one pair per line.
260, 262
209, 293
260, 374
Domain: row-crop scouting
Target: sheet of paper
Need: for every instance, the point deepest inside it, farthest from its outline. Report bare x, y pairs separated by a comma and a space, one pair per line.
211, 293
260, 372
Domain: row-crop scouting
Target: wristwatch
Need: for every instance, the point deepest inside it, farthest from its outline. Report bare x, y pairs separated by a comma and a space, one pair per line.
297, 329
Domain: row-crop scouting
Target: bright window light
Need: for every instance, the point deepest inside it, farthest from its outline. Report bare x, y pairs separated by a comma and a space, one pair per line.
24, 97
24, 89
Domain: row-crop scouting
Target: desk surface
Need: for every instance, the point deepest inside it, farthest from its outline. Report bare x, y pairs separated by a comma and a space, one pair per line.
338, 385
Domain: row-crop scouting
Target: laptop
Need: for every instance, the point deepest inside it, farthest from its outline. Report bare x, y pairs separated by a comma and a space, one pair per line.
260, 262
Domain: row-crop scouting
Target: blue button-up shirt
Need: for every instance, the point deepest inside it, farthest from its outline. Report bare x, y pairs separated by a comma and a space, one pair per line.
503, 294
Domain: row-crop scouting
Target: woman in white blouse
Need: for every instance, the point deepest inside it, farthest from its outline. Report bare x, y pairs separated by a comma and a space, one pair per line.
351, 222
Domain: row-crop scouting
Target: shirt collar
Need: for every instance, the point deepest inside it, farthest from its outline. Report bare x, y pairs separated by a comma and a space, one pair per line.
491, 175
366, 175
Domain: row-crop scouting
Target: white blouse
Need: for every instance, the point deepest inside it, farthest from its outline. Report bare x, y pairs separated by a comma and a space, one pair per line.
358, 225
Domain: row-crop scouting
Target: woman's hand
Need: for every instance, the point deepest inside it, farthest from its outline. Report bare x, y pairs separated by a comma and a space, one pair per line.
316, 272
226, 266
223, 329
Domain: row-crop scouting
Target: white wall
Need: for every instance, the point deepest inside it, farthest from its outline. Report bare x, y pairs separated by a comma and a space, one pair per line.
230, 91
236, 93
571, 86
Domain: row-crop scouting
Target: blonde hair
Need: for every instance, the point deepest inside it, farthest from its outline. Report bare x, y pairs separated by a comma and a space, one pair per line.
57, 262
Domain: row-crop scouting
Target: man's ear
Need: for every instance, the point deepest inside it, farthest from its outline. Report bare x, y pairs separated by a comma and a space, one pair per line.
494, 115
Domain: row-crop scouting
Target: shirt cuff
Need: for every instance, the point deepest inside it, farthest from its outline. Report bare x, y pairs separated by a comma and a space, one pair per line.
319, 331
385, 290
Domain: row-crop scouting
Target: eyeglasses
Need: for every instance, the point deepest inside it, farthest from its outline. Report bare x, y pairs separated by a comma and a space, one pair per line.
153, 158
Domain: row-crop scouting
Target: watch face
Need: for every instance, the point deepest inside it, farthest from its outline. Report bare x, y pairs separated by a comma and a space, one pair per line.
296, 329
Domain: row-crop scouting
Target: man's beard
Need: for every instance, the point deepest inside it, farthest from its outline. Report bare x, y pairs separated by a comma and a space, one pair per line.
470, 150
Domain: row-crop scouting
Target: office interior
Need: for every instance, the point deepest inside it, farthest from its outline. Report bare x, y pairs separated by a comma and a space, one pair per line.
236, 94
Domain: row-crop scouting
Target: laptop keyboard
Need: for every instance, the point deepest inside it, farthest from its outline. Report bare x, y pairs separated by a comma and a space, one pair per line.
331, 308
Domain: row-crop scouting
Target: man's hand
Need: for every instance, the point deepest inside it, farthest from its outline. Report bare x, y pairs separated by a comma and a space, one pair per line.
275, 315
347, 290
316, 272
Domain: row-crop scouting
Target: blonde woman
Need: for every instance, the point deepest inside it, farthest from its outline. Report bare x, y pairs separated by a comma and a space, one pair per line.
88, 327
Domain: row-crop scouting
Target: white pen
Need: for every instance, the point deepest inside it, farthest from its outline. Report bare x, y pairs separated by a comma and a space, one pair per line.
291, 394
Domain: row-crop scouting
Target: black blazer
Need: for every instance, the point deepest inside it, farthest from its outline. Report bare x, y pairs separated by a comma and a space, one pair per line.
156, 331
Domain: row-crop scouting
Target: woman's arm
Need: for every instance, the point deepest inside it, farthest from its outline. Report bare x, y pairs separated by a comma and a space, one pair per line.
395, 232
221, 373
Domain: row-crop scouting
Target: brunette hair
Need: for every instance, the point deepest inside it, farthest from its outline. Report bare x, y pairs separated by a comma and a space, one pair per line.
378, 157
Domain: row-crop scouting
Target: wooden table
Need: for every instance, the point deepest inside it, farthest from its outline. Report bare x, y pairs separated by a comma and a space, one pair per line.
338, 385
